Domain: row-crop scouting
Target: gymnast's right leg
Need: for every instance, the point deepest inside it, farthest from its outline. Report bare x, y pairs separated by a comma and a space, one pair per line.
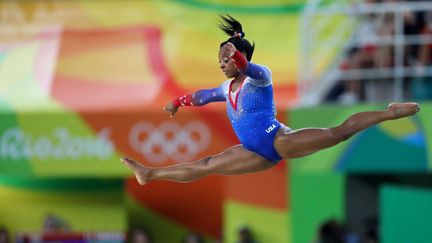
233, 161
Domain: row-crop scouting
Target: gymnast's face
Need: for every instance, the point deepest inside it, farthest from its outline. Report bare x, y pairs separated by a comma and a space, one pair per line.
226, 64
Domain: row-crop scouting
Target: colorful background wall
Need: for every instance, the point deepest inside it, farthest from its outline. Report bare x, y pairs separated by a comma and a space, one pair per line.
83, 83
389, 161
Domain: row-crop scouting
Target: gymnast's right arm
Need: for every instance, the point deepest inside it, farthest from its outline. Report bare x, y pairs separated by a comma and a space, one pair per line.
199, 98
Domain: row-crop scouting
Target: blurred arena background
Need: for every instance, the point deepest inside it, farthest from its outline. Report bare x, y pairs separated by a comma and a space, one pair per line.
83, 83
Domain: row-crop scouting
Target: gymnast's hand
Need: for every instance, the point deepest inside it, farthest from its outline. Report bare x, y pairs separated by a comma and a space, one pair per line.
228, 50
170, 108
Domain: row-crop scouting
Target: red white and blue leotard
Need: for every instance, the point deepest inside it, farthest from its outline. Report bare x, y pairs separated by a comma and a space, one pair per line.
251, 110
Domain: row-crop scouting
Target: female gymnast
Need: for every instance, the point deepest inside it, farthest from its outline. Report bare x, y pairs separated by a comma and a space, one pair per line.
248, 94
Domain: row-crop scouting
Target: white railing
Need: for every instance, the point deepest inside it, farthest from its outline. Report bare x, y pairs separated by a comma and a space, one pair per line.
329, 30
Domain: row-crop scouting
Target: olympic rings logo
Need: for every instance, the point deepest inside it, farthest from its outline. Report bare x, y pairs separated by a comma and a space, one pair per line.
169, 140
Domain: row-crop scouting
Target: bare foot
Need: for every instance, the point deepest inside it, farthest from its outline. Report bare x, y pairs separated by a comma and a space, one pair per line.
141, 172
403, 109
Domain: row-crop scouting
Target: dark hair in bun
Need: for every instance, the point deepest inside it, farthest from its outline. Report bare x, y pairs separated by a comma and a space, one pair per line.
233, 28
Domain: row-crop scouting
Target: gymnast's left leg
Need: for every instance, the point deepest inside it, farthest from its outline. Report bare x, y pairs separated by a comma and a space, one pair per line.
306, 141
233, 161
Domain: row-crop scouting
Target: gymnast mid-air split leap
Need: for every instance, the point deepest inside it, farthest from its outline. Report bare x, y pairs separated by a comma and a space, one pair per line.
248, 94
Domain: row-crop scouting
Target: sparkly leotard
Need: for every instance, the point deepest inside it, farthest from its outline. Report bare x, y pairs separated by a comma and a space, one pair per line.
251, 111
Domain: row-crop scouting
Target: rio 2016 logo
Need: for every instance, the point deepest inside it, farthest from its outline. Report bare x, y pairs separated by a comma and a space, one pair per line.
16, 144
169, 140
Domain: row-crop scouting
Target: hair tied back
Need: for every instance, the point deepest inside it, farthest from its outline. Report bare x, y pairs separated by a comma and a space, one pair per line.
239, 34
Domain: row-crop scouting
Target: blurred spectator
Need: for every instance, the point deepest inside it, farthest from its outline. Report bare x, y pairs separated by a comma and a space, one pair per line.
140, 235
351, 91
357, 59
245, 235
53, 223
367, 53
421, 86
331, 231
382, 56
193, 237
371, 232
4, 235
351, 94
